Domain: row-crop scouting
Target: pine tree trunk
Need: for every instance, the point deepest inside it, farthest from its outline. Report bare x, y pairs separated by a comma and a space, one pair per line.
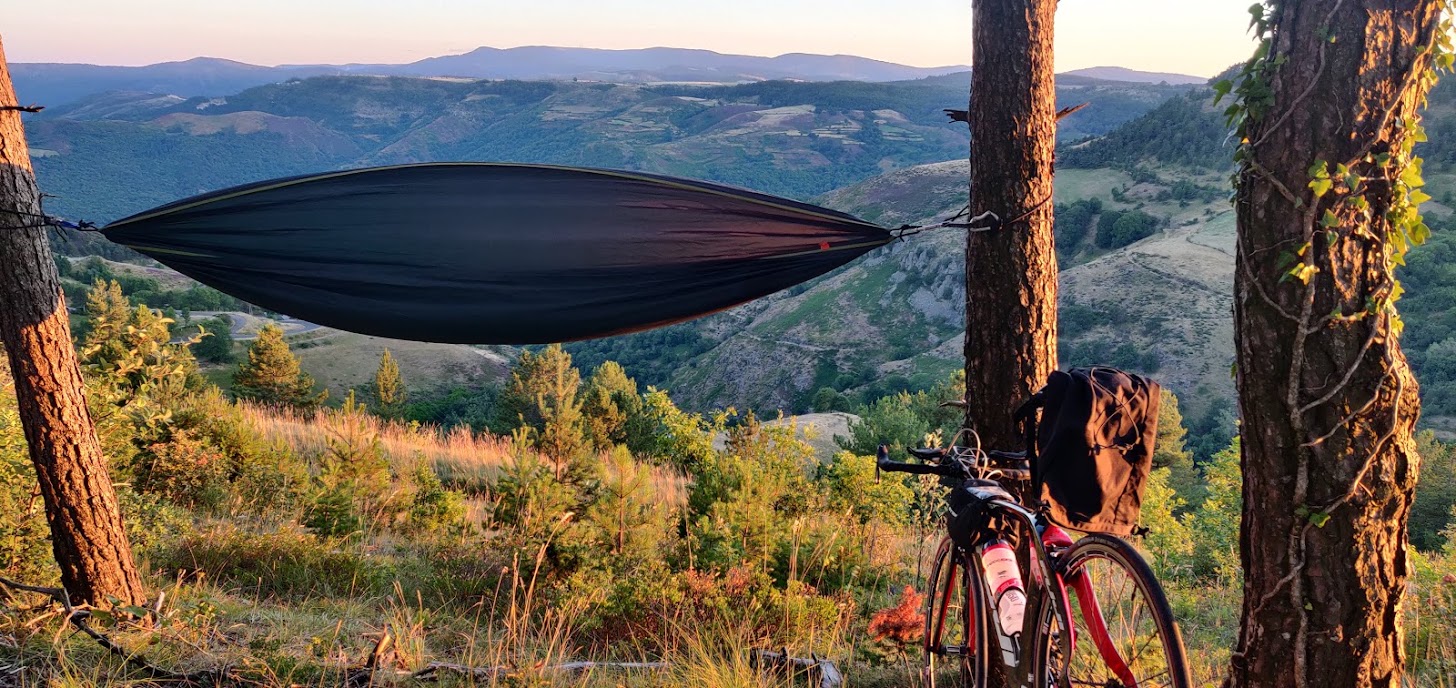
86, 530
1011, 272
1327, 398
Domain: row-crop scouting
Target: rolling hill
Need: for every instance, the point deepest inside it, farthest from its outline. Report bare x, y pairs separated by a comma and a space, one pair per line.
1160, 305
889, 321
893, 319
109, 156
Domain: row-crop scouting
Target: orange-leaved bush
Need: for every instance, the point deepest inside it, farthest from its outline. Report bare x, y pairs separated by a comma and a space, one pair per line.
903, 623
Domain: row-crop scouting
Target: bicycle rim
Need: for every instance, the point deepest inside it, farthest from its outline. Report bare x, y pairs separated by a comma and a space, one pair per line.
954, 643
1110, 587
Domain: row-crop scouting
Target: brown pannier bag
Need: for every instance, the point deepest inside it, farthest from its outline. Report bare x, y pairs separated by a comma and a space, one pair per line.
1094, 447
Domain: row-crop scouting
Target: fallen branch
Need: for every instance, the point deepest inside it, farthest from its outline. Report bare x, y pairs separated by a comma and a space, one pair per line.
79, 617
828, 673
823, 670
493, 673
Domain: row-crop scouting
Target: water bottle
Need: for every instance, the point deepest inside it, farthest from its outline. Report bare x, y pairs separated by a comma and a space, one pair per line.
1003, 579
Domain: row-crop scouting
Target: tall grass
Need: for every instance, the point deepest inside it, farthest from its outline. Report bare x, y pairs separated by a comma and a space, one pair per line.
458, 453
464, 459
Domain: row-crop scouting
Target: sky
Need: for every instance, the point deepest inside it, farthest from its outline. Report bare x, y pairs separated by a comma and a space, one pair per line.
1199, 37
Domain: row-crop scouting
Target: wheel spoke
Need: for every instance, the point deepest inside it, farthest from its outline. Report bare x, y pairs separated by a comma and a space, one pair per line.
951, 658
1119, 585
1149, 678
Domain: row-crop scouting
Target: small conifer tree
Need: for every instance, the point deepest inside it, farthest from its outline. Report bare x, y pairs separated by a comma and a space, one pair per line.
1171, 453
271, 374
388, 393
542, 396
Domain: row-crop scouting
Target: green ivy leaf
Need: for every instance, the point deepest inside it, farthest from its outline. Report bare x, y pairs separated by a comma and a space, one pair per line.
1420, 233
1285, 260
1321, 186
1301, 272
1411, 176
1256, 14
136, 611
1329, 220
1221, 89
1319, 170
1319, 519
1419, 197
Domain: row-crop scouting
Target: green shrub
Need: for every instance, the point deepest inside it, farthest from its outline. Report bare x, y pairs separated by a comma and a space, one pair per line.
1168, 544
354, 487
1215, 523
1116, 229
1072, 220
185, 469
828, 399
1435, 494
746, 597
889, 420
536, 510
433, 507
260, 477
855, 488
747, 499
217, 345
283, 563
25, 546
151, 523
332, 514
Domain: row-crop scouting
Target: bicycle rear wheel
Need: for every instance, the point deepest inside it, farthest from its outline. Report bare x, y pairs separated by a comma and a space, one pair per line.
955, 651
1125, 634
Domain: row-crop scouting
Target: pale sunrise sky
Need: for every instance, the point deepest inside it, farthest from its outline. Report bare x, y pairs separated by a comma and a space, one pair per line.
1199, 37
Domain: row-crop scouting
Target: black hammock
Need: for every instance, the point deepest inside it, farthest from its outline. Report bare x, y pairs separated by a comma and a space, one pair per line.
487, 253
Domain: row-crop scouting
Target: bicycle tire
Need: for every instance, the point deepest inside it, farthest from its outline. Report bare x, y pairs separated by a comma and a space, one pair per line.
965, 607
1088, 664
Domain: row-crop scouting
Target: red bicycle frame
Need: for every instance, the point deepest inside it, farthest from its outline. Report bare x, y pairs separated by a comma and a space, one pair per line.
1054, 538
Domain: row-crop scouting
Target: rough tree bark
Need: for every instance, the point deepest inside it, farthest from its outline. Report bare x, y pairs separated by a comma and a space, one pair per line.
1327, 399
86, 530
1011, 272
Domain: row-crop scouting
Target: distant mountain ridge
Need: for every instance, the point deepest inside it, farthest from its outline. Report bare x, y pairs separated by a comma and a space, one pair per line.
1138, 77
51, 84
59, 83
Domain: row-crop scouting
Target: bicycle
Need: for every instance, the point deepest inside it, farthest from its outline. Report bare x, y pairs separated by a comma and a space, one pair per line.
1121, 608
